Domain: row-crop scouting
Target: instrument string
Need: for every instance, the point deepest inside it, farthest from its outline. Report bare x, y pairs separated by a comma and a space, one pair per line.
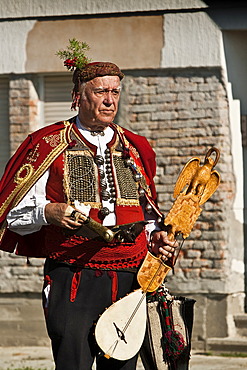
134, 312
140, 302
180, 247
142, 298
128, 323
144, 293
114, 345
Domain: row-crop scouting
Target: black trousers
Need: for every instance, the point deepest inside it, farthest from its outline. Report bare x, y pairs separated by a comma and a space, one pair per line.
72, 306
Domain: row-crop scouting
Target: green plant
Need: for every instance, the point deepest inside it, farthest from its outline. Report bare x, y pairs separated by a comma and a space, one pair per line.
74, 56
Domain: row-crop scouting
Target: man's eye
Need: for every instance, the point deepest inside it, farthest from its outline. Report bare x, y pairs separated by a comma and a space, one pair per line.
99, 92
114, 92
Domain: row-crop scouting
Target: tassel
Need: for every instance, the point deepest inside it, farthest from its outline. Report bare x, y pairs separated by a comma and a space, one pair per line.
75, 98
173, 341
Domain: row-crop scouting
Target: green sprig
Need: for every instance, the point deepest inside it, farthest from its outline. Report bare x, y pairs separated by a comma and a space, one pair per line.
75, 52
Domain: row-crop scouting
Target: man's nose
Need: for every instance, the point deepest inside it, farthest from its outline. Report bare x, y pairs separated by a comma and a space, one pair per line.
108, 99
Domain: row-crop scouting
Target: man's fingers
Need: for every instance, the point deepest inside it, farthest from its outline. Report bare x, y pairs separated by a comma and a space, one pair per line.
166, 252
168, 248
75, 215
62, 215
73, 224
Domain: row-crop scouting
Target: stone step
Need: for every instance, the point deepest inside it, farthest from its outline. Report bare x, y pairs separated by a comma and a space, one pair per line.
241, 324
22, 322
228, 344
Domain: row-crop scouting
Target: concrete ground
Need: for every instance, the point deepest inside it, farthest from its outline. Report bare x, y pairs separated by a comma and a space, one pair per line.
40, 358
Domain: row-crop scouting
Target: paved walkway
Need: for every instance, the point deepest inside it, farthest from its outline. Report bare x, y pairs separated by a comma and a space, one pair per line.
39, 358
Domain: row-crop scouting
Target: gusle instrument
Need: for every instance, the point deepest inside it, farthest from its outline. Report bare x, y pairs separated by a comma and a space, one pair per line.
121, 328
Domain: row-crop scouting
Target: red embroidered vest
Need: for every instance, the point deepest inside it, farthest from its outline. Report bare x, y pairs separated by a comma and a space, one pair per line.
49, 147
74, 175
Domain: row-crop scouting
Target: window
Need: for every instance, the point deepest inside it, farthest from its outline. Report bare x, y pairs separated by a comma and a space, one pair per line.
57, 98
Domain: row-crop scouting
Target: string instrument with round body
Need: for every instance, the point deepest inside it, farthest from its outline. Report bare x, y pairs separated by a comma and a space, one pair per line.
121, 328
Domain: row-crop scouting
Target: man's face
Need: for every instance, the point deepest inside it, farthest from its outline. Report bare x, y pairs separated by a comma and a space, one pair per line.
99, 102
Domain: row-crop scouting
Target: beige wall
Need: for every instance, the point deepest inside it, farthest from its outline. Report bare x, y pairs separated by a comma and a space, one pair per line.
131, 42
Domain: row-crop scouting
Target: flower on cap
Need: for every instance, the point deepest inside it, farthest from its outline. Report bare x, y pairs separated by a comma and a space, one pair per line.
70, 63
74, 56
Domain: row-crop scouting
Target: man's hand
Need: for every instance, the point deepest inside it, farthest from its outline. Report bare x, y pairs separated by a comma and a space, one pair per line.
160, 244
60, 214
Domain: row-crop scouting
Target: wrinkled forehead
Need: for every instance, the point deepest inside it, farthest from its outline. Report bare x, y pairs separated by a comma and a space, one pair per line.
106, 82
